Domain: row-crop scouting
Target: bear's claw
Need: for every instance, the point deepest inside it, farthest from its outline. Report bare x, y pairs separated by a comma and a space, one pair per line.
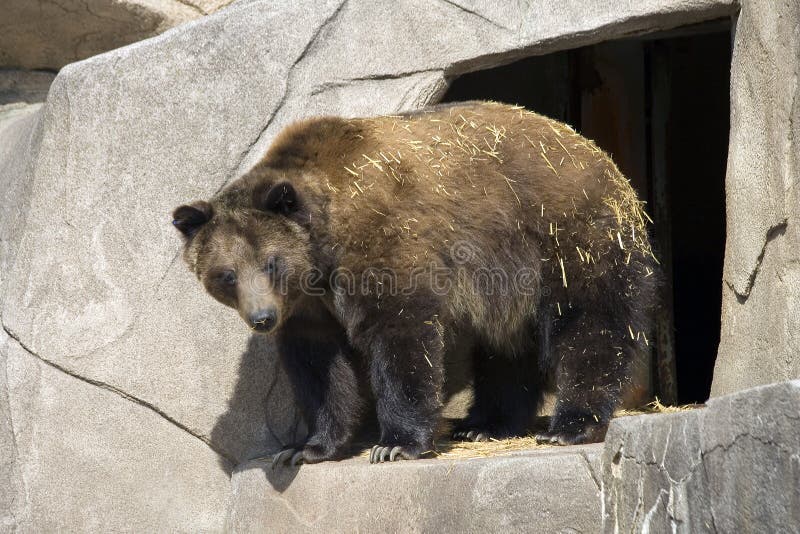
471, 435
380, 454
290, 456
592, 433
297, 458
562, 438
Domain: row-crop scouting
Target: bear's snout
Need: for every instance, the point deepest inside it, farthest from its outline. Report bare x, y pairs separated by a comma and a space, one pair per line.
263, 320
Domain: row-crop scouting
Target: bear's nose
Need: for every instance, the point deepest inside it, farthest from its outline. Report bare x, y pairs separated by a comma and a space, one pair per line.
263, 320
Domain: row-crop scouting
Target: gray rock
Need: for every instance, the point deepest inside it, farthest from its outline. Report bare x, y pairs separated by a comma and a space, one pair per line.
731, 467
89, 460
546, 490
48, 34
19, 138
761, 290
17, 135
12, 490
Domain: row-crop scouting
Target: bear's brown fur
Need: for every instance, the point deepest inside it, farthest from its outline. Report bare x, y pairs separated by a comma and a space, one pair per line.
476, 225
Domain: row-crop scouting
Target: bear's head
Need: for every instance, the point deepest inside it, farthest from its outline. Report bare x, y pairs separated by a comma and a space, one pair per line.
251, 256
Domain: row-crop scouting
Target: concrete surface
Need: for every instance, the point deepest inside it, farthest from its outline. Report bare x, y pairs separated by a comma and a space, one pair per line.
543, 490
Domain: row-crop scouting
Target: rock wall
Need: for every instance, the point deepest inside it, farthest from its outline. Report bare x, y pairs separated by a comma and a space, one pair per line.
731, 467
760, 338
84, 458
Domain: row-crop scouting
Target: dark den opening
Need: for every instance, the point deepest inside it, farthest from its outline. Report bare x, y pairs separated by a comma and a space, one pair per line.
659, 104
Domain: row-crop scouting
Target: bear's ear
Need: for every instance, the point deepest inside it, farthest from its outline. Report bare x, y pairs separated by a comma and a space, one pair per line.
190, 218
281, 198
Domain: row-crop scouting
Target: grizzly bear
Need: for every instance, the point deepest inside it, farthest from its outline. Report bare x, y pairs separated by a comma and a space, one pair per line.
376, 250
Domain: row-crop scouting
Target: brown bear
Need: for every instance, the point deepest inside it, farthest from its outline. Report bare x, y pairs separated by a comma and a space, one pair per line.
376, 250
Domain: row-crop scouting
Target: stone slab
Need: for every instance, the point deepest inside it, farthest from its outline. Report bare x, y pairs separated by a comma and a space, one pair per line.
761, 287
11, 488
19, 140
733, 466
543, 490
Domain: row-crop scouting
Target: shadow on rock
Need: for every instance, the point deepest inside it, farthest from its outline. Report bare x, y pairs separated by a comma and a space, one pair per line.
281, 477
262, 417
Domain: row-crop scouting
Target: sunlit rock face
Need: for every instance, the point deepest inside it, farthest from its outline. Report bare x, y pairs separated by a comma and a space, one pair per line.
115, 366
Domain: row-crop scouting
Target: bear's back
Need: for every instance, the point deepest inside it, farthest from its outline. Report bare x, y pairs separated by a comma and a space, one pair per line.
450, 173
487, 188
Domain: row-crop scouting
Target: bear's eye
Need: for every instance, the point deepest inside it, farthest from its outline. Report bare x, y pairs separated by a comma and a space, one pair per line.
228, 278
272, 265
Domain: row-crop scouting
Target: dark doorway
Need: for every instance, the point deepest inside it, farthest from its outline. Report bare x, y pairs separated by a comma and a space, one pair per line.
660, 105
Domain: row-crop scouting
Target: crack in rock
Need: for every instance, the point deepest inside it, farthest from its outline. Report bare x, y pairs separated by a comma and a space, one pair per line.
476, 14
648, 517
725, 447
228, 459
14, 509
312, 42
193, 7
588, 464
773, 233
336, 84
317, 34
677, 484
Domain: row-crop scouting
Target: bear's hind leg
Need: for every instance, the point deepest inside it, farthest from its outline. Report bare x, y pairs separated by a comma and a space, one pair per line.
593, 356
506, 396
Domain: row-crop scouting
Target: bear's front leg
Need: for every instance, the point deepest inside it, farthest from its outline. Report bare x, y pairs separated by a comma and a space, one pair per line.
320, 364
406, 351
